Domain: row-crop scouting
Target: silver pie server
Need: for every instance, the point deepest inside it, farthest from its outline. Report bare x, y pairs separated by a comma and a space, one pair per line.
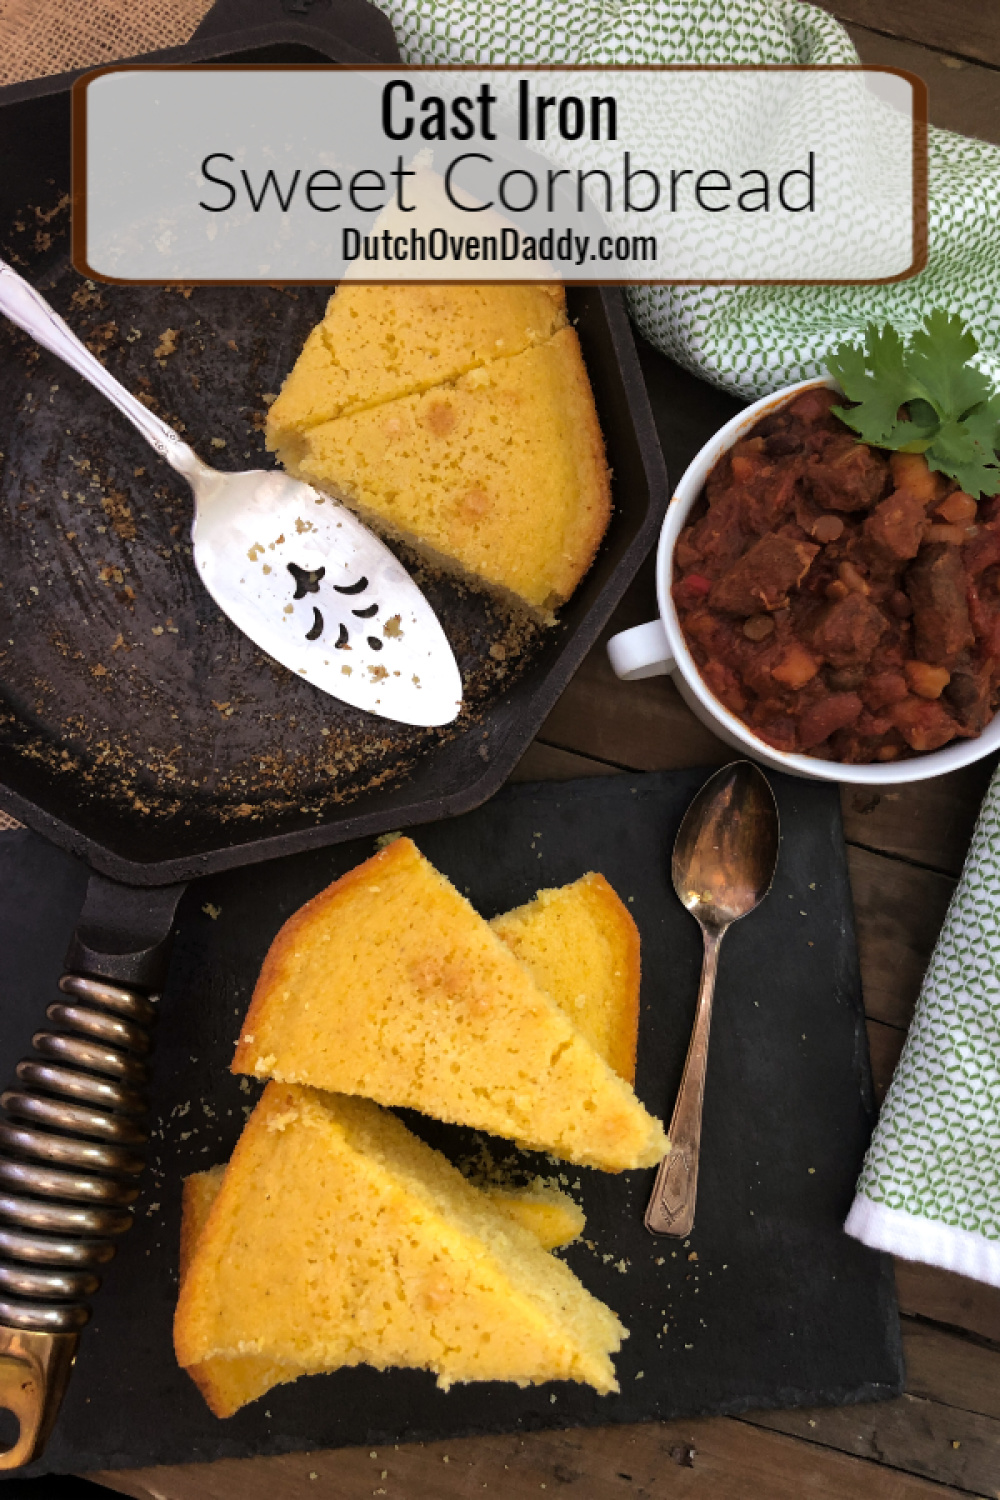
291, 567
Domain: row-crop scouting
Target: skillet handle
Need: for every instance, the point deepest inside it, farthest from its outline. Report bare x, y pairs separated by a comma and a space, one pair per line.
70, 1148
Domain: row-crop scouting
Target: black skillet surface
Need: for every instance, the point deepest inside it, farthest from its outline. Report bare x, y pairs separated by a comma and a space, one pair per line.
769, 1305
137, 726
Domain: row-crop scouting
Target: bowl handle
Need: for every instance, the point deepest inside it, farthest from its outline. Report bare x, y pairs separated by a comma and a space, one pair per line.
643, 651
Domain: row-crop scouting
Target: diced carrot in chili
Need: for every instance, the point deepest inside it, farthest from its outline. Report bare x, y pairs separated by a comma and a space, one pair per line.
796, 667
958, 509
924, 680
910, 472
924, 726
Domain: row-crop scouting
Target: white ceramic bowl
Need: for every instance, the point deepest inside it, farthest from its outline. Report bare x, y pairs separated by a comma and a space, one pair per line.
659, 647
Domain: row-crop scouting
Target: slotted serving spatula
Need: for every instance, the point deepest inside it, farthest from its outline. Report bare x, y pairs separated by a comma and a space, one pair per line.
292, 568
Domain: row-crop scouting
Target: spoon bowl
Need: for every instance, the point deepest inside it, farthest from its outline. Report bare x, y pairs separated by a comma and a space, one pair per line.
723, 864
727, 847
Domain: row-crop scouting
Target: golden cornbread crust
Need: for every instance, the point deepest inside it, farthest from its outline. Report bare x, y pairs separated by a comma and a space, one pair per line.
495, 470
226, 1384
377, 343
581, 946
338, 1238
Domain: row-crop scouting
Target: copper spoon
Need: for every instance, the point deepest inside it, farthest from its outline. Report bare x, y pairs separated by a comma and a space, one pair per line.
724, 859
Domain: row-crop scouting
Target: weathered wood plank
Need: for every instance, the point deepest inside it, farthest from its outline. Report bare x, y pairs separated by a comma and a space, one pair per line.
885, 1043
930, 822
541, 762
960, 95
714, 1458
937, 1442
898, 911
955, 26
927, 1292
946, 1367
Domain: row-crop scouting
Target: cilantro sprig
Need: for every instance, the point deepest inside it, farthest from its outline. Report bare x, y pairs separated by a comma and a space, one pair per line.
924, 397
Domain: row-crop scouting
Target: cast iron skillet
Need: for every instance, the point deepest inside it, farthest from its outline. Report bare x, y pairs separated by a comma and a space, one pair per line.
140, 731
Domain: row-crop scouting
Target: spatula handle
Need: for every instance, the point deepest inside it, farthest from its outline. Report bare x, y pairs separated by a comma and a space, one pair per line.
26, 307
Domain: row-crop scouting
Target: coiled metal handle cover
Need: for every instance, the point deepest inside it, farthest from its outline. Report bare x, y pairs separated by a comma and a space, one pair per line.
67, 1171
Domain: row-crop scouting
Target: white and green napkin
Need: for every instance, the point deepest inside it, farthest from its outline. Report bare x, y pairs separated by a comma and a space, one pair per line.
930, 1187
751, 339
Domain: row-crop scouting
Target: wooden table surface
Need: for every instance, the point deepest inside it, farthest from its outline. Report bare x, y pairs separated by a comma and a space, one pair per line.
906, 846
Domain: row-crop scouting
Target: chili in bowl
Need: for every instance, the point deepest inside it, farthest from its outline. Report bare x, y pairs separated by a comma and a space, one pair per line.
829, 606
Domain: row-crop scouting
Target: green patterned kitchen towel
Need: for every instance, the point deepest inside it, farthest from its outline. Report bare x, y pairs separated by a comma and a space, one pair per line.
751, 339
930, 1187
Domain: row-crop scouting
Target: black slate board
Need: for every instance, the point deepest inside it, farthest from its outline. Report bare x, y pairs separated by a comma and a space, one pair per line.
769, 1305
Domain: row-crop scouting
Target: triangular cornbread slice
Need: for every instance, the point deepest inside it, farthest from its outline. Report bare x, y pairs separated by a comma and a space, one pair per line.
377, 343
388, 984
500, 474
229, 1382
337, 1237
582, 947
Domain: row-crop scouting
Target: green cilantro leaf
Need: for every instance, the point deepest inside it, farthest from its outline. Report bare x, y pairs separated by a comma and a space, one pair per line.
924, 398
877, 379
983, 424
938, 356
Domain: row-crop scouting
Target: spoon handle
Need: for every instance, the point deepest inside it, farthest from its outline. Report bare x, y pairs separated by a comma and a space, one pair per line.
672, 1201
26, 307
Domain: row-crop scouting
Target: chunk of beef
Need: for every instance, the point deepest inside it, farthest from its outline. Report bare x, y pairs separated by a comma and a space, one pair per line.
848, 632
719, 536
968, 696
763, 576
982, 551
883, 688
831, 713
935, 583
848, 475
894, 530
814, 405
